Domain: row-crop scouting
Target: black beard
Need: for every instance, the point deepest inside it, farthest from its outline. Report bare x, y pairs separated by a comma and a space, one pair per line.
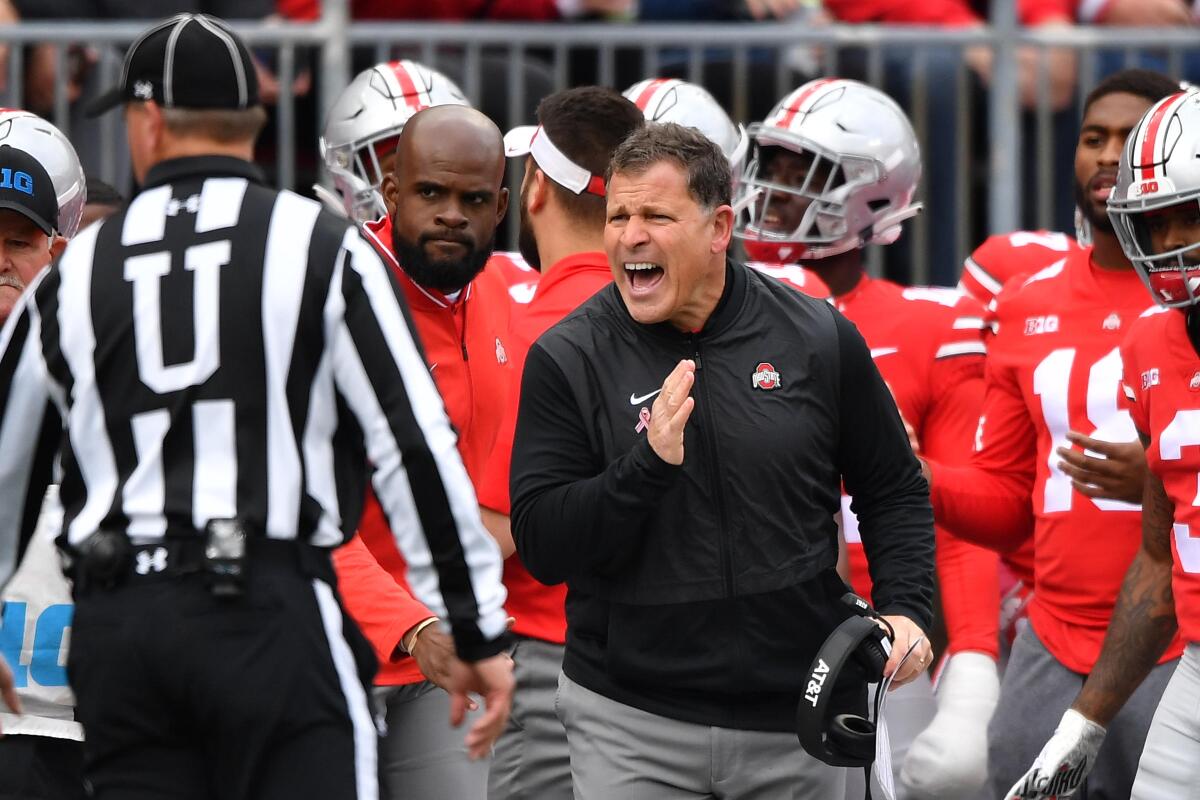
446, 276
526, 241
1099, 222
527, 244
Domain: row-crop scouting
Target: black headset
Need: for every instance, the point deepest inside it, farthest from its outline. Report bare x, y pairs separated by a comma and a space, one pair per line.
855, 653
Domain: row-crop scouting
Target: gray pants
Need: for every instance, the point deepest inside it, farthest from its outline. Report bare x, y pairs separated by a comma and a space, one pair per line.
422, 756
908, 711
531, 761
1034, 693
622, 752
1170, 764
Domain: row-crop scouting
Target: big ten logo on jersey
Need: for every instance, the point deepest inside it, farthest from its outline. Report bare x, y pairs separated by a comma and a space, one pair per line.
1044, 324
1149, 378
1088, 398
47, 643
21, 181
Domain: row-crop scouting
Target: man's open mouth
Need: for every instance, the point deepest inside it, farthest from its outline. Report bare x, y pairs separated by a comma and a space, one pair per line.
643, 275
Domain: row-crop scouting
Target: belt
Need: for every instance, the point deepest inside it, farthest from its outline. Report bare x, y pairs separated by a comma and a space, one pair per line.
176, 557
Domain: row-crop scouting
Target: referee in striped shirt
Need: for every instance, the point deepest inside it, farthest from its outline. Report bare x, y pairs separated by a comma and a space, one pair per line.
212, 371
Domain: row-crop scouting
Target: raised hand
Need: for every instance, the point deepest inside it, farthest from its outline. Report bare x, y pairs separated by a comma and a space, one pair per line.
670, 412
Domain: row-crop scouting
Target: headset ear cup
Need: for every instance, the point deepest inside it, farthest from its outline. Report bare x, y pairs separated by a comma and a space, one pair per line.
853, 735
873, 658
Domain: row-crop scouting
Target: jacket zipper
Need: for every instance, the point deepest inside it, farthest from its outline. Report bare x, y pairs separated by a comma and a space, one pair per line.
714, 471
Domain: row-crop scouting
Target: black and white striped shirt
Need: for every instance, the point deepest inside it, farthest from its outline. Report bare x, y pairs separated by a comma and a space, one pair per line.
223, 350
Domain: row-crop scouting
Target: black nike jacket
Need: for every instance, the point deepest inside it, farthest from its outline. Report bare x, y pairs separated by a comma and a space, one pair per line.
701, 592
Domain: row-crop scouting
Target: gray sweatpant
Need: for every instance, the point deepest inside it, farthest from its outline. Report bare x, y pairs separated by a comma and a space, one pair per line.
422, 756
1034, 693
1170, 765
531, 761
618, 751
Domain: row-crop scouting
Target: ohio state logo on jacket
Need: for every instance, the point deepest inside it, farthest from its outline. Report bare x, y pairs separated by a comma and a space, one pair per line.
765, 377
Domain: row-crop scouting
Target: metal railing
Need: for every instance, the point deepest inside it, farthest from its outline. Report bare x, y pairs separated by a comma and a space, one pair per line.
972, 139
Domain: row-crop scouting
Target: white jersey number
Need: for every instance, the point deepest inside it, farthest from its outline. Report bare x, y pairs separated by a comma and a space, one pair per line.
1051, 381
1184, 431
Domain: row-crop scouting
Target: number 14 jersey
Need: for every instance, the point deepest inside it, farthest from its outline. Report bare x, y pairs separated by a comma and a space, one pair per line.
1054, 366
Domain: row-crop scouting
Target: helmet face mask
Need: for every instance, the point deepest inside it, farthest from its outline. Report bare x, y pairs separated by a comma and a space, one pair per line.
365, 121
1155, 204
835, 167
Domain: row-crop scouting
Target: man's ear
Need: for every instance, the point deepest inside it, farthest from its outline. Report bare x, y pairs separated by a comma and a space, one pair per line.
156, 124
57, 245
539, 189
391, 192
722, 228
501, 206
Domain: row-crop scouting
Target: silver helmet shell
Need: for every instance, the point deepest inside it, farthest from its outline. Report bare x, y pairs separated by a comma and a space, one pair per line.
673, 100
861, 168
1160, 168
372, 110
51, 148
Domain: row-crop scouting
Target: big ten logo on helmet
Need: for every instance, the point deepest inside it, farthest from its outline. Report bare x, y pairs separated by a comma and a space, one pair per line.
45, 667
21, 181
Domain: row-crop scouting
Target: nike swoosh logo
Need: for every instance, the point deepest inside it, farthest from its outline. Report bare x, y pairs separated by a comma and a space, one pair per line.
876, 352
634, 400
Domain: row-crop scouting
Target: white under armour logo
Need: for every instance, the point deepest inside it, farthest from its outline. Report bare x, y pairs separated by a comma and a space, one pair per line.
147, 561
190, 204
143, 90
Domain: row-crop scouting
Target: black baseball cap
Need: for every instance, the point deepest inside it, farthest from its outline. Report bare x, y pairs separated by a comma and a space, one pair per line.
25, 187
188, 61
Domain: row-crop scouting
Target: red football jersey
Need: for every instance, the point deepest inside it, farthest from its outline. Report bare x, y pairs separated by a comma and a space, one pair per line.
520, 278
1053, 366
1005, 256
928, 345
795, 276
1162, 378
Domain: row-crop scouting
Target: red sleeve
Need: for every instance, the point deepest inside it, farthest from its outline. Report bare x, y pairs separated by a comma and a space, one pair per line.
456, 9
968, 575
988, 501
1131, 385
921, 12
383, 609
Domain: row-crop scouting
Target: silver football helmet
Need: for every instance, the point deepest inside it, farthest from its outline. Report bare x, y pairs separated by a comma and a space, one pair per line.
1158, 178
365, 121
673, 100
835, 167
47, 144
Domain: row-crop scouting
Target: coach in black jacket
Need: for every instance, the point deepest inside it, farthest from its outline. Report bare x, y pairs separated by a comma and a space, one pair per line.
693, 518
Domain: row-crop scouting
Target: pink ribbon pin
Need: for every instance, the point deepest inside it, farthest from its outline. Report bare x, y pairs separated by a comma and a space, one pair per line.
643, 420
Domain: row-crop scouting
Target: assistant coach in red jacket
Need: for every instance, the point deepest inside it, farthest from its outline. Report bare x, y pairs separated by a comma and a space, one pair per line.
445, 200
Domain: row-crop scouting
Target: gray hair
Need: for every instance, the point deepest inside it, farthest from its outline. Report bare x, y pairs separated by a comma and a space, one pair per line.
709, 178
227, 126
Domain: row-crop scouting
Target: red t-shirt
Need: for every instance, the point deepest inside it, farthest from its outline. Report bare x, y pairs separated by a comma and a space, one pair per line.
928, 345
1053, 366
1162, 378
539, 610
466, 347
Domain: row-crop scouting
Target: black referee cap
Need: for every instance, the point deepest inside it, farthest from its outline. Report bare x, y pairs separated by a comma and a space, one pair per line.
188, 61
26, 188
